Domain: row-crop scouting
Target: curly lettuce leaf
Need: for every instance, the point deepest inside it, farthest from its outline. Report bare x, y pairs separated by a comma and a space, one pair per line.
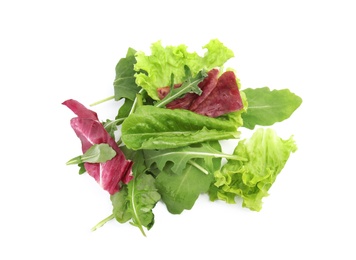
159, 128
266, 155
165, 61
266, 107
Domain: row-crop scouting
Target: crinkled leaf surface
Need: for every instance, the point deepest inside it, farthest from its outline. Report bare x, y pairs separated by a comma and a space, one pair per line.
159, 128
266, 107
267, 154
165, 61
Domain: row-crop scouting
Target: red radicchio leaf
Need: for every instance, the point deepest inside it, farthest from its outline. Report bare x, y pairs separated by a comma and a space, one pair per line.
220, 95
207, 86
224, 98
191, 100
90, 131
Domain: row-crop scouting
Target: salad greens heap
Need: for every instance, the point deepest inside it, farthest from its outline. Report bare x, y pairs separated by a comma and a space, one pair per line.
150, 153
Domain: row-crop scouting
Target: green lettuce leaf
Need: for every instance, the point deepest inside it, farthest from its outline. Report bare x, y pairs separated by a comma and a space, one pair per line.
165, 61
136, 200
267, 154
266, 107
182, 155
180, 189
159, 128
124, 83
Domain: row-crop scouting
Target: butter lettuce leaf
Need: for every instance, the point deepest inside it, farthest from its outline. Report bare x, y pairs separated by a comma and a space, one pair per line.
266, 155
159, 128
266, 107
165, 61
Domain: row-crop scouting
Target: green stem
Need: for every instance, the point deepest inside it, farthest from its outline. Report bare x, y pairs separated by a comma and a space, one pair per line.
102, 101
119, 120
137, 102
198, 167
135, 217
75, 160
103, 222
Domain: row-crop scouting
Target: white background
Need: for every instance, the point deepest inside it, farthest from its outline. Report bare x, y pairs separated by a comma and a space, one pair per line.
51, 51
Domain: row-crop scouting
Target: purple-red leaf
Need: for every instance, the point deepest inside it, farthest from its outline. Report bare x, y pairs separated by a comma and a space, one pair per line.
224, 98
90, 131
220, 95
207, 86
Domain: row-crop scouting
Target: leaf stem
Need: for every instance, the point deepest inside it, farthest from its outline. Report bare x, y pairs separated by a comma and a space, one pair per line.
137, 101
135, 217
103, 222
116, 121
102, 101
198, 167
179, 92
75, 160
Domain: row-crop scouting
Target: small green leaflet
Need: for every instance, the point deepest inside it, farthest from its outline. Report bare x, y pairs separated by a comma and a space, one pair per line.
97, 153
189, 85
266, 107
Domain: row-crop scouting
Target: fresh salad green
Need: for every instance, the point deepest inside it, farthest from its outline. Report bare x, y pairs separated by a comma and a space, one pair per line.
172, 156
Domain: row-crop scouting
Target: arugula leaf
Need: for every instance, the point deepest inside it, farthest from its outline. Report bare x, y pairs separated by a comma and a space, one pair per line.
159, 128
97, 153
189, 85
136, 200
267, 155
163, 62
180, 189
182, 155
124, 84
266, 107
120, 205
